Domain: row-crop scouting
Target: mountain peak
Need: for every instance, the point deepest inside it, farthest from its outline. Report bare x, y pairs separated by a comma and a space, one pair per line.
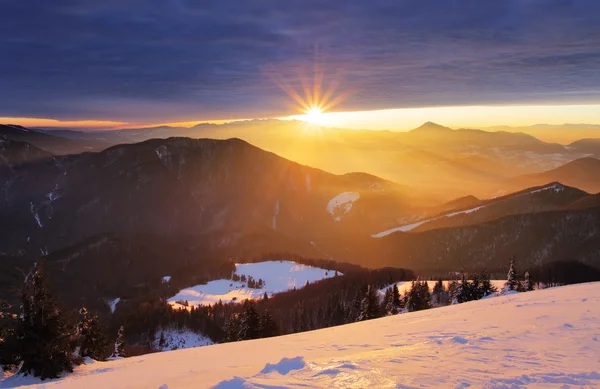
431, 126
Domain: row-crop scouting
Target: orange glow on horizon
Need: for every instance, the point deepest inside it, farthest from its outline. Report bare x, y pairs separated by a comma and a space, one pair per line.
43, 122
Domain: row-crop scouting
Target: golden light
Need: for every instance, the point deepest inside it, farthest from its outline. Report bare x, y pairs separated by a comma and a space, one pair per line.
314, 115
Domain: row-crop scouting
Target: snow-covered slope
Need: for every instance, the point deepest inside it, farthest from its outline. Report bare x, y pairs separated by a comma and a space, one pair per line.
542, 339
341, 204
277, 276
172, 339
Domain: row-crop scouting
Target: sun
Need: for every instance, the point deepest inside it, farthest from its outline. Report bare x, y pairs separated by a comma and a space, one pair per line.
314, 115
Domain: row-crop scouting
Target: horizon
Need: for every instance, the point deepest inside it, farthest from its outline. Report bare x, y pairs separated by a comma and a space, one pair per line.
509, 64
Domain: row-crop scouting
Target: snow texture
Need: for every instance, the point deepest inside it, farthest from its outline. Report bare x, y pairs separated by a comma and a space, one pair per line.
166, 279
543, 339
112, 304
176, 340
415, 225
341, 204
278, 276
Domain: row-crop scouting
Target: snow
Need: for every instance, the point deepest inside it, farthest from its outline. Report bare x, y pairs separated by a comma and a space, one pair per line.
278, 276
341, 204
176, 340
166, 279
543, 339
112, 304
410, 227
275, 215
555, 187
35, 215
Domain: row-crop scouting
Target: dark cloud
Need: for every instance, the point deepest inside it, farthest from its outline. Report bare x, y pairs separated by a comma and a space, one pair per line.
149, 60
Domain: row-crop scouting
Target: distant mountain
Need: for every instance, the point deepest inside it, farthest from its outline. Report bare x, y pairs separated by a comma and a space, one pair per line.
555, 133
536, 239
51, 143
583, 173
587, 146
185, 186
456, 163
14, 152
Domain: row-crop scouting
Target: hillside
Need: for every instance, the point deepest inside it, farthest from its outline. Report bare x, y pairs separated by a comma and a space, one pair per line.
550, 197
48, 142
500, 342
583, 173
186, 186
15, 152
436, 161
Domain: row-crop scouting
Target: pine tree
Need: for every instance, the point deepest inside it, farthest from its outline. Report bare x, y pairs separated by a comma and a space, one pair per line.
41, 338
437, 297
419, 297
249, 322
528, 285
268, 326
369, 306
232, 329
119, 351
387, 303
511, 278
397, 305
486, 286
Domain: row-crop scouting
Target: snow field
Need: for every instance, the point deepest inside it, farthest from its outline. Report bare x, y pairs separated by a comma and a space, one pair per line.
278, 276
543, 339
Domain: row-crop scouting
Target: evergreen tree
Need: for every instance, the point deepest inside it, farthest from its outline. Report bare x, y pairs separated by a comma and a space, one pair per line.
419, 297
93, 342
268, 326
486, 286
41, 338
232, 329
249, 322
528, 285
119, 351
369, 306
439, 293
386, 304
511, 278
397, 305
266, 297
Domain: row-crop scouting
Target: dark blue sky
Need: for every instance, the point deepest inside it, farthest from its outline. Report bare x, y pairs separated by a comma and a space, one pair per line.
170, 60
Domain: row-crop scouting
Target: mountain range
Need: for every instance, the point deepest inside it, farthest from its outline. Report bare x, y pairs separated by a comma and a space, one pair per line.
122, 217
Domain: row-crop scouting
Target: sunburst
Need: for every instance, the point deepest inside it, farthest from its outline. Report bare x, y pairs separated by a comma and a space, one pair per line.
312, 97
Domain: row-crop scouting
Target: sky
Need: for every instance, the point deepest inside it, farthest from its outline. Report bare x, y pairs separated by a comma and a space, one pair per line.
114, 63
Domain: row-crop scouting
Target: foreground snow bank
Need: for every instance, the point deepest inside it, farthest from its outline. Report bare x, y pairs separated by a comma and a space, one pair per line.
277, 276
543, 339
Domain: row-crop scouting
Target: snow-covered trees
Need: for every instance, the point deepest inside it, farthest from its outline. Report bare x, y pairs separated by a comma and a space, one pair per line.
249, 322
40, 340
528, 284
119, 350
419, 297
512, 284
268, 326
369, 306
90, 336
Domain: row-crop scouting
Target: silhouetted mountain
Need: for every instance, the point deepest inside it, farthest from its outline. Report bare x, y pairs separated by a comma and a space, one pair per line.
583, 173
535, 238
550, 197
185, 186
587, 146
51, 143
14, 152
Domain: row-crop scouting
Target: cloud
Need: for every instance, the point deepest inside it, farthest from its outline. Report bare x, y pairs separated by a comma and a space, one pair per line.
137, 60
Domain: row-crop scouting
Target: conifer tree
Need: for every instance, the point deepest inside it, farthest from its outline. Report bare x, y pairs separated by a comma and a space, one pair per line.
511, 278
486, 286
42, 340
92, 337
528, 285
249, 322
386, 304
119, 351
268, 326
397, 305
369, 306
